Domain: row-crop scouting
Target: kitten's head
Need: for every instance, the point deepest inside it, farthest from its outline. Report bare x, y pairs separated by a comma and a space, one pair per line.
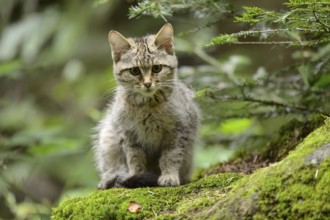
144, 65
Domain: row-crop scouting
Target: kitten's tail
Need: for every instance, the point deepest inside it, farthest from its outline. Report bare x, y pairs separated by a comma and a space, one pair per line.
137, 181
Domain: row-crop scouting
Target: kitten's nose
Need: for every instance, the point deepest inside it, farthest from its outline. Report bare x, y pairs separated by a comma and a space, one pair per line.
147, 84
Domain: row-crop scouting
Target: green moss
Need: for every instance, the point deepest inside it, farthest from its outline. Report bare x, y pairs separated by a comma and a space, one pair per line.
156, 202
297, 187
289, 189
297, 196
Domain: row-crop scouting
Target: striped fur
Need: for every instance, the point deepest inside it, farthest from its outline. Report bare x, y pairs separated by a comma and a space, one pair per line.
146, 130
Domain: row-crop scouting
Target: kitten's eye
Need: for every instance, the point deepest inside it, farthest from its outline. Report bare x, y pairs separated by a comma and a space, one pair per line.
135, 71
156, 68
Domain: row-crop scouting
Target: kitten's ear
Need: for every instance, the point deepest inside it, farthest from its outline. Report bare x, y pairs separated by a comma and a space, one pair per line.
119, 44
164, 38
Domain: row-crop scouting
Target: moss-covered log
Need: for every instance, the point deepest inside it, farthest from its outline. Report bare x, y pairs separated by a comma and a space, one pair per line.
297, 187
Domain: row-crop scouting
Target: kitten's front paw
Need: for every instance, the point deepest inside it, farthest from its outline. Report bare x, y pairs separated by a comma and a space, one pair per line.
106, 184
169, 180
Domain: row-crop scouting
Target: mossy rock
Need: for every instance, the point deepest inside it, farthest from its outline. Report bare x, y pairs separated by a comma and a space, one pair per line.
297, 187
156, 202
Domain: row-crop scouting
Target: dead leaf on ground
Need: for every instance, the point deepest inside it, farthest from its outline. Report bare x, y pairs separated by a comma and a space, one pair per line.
134, 207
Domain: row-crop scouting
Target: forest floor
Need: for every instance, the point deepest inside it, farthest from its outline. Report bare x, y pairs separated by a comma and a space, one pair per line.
290, 179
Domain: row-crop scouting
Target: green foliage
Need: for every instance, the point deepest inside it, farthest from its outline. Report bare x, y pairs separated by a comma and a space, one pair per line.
306, 23
47, 106
224, 39
255, 14
235, 125
164, 8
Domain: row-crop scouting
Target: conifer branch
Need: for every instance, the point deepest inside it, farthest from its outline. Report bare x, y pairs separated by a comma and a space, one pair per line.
320, 22
247, 98
196, 29
268, 43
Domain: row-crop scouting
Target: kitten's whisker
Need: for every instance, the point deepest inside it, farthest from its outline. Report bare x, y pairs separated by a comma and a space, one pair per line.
111, 80
110, 93
166, 85
112, 89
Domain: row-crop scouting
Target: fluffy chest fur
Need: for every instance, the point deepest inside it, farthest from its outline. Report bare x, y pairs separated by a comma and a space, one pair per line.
149, 126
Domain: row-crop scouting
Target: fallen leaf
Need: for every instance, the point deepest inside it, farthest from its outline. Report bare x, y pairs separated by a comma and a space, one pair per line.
134, 207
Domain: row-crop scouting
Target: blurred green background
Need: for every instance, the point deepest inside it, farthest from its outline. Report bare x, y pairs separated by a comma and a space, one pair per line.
56, 78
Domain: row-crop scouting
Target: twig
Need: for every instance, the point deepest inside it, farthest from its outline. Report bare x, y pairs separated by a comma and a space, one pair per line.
283, 84
267, 42
194, 30
131, 15
293, 43
319, 21
160, 12
256, 32
264, 102
307, 3
213, 62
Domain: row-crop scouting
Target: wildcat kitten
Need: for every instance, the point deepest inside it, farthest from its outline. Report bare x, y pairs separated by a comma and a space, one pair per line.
147, 134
